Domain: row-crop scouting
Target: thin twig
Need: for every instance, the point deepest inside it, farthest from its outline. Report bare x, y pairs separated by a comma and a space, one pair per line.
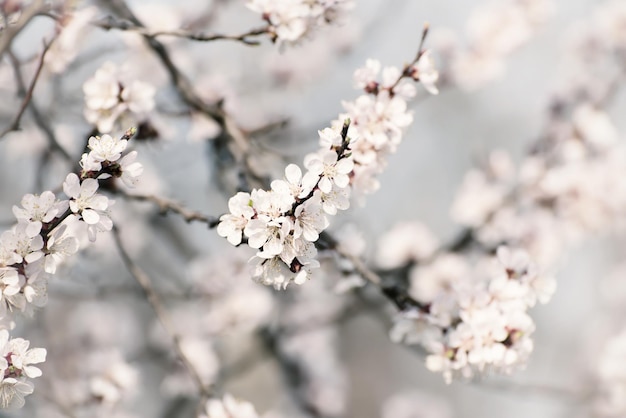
163, 316
37, 115
167, 206
110, 22
12, 31
15, 125
238, 142
360, 267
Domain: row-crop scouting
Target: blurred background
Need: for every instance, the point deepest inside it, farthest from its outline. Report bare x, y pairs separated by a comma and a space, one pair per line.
94, 302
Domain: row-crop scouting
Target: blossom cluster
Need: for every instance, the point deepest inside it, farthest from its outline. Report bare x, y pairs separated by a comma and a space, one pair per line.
32, 249
290, 21
283, 223
111, 101
16, 366
555, 197
472, 319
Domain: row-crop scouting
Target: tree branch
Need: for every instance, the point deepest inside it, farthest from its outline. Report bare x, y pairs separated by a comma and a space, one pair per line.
166, 206
163, 316
12, 31
110, 22
15, 125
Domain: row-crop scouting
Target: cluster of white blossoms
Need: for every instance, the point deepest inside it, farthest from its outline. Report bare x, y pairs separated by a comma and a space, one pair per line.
571, 188
567, 187
16, 367
473, 319
292, 20
284, 222
33, 248
111, 101
379, 117
495, 30
228, 407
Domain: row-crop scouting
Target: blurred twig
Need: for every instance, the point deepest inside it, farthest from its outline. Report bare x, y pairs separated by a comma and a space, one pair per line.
163, 316
166, 206
36, 7
37, 115
15, 125
235, 137
110, 22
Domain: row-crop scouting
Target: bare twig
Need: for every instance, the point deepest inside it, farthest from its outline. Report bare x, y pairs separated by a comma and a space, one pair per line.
163, 316
15, 125
238, 142
39, 118
110, 22
36, 7
167, 206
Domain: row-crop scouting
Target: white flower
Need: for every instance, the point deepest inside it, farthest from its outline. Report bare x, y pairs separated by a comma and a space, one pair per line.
114, 380
35, 292
365, 77
17, 364
274, 271
25, 241
139, 97
405, 242
292, 20
131, 169
231, 225
228, 407
103, 89
67, 44
85, 201
329, 169
378, 120
13, 391
426, 72
37, 210
294, 183
8, 256
310, 220
89, 163
267, 234
270, 228
329, 138
106, 148
109, 98
9, 286
20, 356
337, 199
477, 199
59, 247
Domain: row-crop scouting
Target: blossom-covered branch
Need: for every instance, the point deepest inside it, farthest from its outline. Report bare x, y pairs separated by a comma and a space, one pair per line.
285, 222
31, 251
